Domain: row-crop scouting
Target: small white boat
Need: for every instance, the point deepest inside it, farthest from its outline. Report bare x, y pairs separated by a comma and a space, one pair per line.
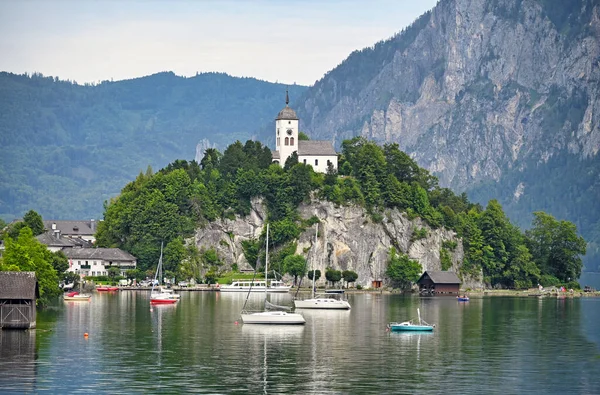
272, 316
321, 302
76, 296
409, 326
160, 294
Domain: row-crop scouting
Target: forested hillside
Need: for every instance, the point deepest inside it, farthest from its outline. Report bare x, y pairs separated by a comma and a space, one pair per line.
66, 148
499, 98
167, 207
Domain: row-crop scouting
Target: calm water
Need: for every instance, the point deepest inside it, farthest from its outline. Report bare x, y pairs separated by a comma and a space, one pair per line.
497, 345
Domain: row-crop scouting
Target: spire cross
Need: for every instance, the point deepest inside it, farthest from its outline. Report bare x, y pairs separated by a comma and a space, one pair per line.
287, 98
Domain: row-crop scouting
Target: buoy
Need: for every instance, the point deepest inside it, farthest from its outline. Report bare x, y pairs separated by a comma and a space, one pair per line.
85, 334
236, 322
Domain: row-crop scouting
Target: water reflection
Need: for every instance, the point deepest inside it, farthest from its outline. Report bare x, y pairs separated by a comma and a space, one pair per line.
17, 360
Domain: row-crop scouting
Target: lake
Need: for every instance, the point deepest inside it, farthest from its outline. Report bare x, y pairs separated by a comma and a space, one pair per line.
490, 344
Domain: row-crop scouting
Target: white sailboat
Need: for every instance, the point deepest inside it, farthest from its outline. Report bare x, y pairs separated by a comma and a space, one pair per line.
160, 294
320, 302
270, 316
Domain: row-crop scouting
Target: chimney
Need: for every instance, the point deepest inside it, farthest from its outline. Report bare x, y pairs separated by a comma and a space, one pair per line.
53, 226
56, 232
93, 225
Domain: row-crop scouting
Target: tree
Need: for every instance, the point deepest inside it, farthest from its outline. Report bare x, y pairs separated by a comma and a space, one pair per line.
317, 274
291, 161
333, 276
303, 136
295, 265
556, 247
113, 272
27, 254
402, 270
349, 276
34, 221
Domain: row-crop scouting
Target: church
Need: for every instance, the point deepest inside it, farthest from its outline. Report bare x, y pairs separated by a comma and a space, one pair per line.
318, 154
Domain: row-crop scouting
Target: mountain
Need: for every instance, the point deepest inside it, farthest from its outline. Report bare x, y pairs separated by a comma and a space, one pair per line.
66, 148
500, 98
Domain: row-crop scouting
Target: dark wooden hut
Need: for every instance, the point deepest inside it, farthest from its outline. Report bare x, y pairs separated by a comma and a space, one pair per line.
18, 292
439, 283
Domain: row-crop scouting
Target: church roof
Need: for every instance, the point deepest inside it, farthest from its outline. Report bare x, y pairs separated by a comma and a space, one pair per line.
315, 147
287, 113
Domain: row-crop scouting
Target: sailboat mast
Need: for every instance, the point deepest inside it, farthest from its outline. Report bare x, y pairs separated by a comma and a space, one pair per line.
267, 263
314, 260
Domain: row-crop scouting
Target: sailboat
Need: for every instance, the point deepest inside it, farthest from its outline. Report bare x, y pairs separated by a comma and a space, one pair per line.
409, 326
160, 294
319, 302
270, 315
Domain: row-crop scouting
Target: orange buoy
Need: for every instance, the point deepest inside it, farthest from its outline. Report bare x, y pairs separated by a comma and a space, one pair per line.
85, 334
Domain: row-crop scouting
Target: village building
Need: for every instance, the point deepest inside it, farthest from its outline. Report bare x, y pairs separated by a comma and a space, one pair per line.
85, 230
439, 283
317, 153
18, 293
54, 243
97, 261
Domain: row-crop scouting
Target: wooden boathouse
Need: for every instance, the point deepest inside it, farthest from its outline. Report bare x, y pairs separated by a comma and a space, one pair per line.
439, 283
18, 293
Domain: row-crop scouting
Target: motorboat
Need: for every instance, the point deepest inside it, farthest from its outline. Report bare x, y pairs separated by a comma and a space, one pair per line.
462, 298
274, 286
106, 288
410, 326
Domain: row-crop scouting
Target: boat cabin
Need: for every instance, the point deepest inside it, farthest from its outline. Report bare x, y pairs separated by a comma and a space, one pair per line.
439, 283
18, 293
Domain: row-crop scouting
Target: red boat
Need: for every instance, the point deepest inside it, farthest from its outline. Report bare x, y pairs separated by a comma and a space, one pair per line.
106, 288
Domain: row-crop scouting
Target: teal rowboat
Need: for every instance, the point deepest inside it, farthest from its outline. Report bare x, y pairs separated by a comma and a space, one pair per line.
409, 326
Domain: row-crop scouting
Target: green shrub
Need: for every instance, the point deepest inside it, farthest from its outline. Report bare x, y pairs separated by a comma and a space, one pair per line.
418, 234
572, 285
377, 218
445, 259
548, 280
359, 287
449, 245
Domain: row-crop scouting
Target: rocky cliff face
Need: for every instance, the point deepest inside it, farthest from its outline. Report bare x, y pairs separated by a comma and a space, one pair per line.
473, 88
347, 240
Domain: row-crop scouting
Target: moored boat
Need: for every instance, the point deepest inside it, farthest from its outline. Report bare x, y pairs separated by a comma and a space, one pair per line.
464, 298
76, 296
160, 294
106, 288
272, 314
410, 326
275, 286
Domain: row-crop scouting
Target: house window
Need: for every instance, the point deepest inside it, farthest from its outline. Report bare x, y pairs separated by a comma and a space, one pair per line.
287, 141
277, 140
291, 141
79, 262
278, 132
304, 161
289, 122
86, 262
316, 162
328, 162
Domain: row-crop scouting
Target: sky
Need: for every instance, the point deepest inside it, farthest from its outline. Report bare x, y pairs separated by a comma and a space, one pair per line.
282, 41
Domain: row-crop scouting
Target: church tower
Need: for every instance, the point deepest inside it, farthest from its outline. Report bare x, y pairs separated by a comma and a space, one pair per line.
286, 132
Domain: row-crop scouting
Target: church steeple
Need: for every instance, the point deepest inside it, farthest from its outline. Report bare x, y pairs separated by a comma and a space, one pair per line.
287, 98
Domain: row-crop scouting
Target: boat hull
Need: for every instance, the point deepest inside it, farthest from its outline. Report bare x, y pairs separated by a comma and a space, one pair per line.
462, 299
77, 299
273, 318
225, 288
411, 328
107, 289
324, 304
163, 301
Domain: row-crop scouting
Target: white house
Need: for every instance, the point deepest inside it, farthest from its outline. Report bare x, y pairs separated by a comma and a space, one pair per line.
85, 230
96, 261
317, 153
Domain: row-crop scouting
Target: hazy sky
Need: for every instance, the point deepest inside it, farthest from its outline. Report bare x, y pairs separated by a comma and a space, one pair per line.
286, 41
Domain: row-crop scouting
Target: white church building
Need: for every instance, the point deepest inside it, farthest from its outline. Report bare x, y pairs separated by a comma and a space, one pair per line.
318, 154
